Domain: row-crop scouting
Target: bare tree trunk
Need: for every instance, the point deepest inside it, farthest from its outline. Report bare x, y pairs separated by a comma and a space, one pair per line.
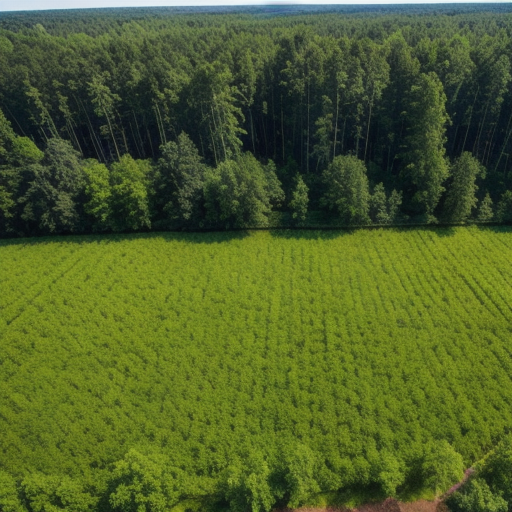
307, 142
505, 143
95, 141
135, 139
219, 131
140, 136
469, 122
480, 129
123, 133
336, 124
252, 133
112, 133
282, 125
368, 128
14, 117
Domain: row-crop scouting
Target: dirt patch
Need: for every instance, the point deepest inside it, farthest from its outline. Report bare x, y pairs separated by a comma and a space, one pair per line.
424, 506
392, 505
389, 505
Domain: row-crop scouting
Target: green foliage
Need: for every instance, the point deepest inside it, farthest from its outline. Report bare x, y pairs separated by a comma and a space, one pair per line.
461, 195
476, 496
442, 466
24, 152
300, 200
52, 201
300, 475
213, 95
384, 210
497, 470
240, 193
45, 493
9, 496
490, 489
143, 484
98, 194
347, 189
247, 485
181, 181
427, 167
324, 128
16, 153
129, 189
392, 473
205, 351
485, 211
504, 207
406, 91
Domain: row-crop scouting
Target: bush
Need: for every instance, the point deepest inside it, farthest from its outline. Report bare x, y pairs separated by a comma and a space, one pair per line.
476, 496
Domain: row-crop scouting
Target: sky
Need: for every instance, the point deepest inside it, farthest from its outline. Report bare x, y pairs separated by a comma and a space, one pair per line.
28, 5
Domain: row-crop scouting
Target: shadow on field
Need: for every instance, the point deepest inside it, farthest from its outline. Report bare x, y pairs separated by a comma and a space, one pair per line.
443, 232
495, 228
204, 237
309, 234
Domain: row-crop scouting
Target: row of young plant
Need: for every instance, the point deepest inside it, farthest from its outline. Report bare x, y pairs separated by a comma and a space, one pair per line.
226, 355
59, 192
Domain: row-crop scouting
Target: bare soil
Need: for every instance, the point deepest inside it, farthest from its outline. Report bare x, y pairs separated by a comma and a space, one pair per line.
392, 505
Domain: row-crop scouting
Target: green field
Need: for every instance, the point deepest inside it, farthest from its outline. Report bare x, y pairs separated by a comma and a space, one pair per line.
206, 348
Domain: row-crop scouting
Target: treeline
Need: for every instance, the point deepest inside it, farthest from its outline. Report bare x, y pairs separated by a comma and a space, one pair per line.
217, 121
150, 483
489, 489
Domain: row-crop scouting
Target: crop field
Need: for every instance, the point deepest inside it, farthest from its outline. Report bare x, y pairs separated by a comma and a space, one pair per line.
205, 347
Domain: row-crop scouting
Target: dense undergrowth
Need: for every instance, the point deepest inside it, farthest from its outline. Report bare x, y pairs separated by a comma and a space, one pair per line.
250, 370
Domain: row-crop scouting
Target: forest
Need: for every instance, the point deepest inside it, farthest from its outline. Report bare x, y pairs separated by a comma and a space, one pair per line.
149, 367
223, 372
122, 120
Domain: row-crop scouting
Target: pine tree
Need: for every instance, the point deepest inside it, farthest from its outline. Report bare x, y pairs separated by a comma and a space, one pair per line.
300, 200
426, 164
485, 211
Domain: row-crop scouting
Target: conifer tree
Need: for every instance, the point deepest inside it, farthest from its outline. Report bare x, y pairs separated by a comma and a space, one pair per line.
426, 164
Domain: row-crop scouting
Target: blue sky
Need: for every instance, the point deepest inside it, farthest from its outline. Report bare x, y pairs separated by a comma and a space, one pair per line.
26, 5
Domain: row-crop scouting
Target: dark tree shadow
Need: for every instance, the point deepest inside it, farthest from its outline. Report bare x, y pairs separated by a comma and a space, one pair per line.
310, 234
495, 228
199, 237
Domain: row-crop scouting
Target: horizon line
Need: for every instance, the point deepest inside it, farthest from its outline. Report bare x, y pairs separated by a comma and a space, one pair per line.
114, 4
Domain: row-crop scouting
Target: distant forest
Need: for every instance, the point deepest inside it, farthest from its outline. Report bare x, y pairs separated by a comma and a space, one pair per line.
180, 118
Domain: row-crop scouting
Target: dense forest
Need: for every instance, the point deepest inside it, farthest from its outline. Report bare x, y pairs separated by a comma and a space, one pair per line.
224, 371
134, 119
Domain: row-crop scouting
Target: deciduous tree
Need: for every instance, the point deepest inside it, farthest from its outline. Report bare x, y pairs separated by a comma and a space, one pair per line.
347, 189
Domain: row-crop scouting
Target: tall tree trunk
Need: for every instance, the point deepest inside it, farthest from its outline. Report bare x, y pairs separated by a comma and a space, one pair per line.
150, 141
252, 133
307, 141
336, 124
139, 135
282, 125
14, 117
136, 142
95, 141
125, 142
368, 127
480, 129
505, 143
469, 122
218, 130
112, 133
